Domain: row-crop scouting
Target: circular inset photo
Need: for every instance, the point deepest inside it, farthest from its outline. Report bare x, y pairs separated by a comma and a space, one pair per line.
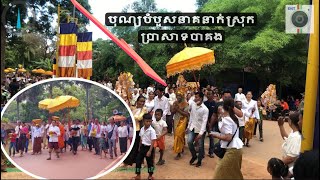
67, 128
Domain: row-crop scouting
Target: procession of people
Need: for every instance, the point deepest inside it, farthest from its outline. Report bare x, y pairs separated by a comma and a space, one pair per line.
59, 137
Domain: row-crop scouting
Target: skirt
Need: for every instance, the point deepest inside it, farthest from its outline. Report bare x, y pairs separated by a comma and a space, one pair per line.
123, 141
248, 128
134, 151
22, 142
229, 167
37, 145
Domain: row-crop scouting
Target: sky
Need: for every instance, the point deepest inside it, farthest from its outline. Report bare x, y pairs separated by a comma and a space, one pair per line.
100, 7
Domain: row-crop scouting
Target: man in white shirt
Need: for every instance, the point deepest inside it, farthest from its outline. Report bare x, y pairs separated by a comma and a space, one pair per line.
75, 133
197, 127
161, 102
17, 131
172, 96
53, 133
239, 96
112, 135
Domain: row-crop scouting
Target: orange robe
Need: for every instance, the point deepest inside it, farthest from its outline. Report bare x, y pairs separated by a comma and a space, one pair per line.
61, 137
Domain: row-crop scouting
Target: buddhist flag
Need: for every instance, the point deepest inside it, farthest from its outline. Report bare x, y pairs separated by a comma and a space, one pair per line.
84, 55
67, 49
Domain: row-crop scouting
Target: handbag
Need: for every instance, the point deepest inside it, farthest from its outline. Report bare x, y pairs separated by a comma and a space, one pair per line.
221, 151
110, 133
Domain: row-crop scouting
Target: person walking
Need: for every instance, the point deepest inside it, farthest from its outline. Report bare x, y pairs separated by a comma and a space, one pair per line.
197, 127
229, 167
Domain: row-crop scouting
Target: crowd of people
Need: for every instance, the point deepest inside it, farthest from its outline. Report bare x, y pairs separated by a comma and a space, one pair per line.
60, 136
234, 121
14, 82
172, 111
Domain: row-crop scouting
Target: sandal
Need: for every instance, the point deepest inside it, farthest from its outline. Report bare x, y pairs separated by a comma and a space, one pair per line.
159, 163
49, 159
150, 178
133, 178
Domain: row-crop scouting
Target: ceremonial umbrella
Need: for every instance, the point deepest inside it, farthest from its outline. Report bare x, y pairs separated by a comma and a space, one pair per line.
22, 70
6, 71
118, 118
44, 103
10, 69
48, 73
62, 102
190, 59
38, 71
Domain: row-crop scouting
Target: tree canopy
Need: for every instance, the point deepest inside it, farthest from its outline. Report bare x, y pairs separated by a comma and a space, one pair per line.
101, 102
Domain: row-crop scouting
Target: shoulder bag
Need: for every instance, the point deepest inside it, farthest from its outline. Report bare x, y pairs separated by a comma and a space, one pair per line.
221, 151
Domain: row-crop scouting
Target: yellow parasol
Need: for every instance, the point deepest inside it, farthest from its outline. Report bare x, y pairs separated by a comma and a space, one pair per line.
48, 73
37, 121
38, 71
11, 70
6, 71
190, 59
118, 118
44, 103
22, 70
62, 102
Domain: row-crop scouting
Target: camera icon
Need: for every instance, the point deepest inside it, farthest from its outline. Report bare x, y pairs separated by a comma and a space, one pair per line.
299, 19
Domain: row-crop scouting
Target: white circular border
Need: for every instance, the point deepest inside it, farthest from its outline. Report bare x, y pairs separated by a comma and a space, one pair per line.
72, 79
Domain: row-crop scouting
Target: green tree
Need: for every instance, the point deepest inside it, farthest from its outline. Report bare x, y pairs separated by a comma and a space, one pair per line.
274, 56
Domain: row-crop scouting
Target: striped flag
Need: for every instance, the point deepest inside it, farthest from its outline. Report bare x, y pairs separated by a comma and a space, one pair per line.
67, 49
84, 55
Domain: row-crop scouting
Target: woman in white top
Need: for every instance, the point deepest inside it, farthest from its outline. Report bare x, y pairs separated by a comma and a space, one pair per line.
123, 137
292, 142
150, 102
229, 167
251, 107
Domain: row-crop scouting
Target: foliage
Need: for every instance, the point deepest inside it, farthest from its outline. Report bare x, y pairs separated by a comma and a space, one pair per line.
274, 55
101, 102
36, 30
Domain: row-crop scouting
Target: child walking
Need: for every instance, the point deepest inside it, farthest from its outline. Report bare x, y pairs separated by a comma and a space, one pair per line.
146, 150
12, 137
102, 145
160, 127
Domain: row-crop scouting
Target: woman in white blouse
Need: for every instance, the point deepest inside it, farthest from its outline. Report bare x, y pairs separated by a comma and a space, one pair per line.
292, 142
250, 106
150, 102
229, 167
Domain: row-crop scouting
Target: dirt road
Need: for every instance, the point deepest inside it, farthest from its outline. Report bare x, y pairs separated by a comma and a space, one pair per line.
254, 164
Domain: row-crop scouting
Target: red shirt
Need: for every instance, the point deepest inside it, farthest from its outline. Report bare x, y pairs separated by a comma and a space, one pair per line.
285, 106
13, 137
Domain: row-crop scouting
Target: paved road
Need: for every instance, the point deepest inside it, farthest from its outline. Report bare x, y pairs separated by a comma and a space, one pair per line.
254, 164
80, 166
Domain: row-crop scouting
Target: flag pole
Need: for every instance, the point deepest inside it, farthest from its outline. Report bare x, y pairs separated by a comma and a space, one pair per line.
55, 68
312, 80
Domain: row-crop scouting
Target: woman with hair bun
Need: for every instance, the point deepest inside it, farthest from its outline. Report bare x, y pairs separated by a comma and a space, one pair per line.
292, 142
277, 169
229, 167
